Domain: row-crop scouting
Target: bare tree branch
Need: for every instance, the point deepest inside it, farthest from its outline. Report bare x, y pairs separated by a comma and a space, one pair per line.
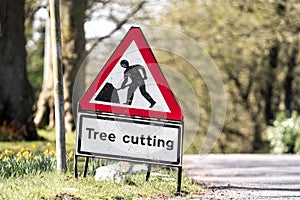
101, 1
118, 26
90, 3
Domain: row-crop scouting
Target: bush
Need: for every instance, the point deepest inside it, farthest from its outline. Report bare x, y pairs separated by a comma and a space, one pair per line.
284, 135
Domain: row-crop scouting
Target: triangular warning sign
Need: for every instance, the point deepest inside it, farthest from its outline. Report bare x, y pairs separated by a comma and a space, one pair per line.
132, 83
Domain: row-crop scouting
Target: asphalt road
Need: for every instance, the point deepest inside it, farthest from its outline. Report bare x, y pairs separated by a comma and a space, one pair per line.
246, 176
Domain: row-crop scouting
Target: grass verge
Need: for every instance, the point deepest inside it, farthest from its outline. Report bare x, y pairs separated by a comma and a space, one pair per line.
50, 185
54, 186
40, 145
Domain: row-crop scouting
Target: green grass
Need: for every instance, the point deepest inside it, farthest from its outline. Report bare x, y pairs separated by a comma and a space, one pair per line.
41, 145
50, 185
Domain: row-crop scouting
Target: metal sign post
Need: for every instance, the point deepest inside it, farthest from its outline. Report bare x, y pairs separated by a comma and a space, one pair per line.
58, 85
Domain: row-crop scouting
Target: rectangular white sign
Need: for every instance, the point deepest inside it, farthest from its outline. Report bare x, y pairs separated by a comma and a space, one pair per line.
129, 139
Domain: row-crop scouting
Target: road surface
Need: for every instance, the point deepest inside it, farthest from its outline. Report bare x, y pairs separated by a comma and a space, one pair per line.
246, 176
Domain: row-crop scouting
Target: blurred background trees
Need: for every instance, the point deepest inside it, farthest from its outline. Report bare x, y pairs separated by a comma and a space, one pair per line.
73, 16
255, 44
73, 48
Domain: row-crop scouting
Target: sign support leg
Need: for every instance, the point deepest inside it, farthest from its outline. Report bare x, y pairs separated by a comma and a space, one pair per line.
85, 166
179, 181
75, 167
148, 172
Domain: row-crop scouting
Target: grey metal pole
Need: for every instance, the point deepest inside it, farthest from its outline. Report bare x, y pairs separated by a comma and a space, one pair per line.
58, 85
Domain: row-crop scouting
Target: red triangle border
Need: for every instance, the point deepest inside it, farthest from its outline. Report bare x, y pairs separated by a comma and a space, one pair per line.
134, 34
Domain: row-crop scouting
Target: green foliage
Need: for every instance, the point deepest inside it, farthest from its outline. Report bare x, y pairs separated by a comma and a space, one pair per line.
254, 45
284, 135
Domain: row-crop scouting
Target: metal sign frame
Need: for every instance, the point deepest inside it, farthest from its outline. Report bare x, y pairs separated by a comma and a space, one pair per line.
88, 155
144, 122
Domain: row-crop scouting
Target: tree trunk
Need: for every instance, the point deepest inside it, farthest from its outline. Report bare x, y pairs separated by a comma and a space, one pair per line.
45, 104
73, 49
16, 94
268, 93
288, 84
73, 40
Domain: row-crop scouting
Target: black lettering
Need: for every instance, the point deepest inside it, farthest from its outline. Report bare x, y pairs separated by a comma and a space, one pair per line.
170, 145
149, 140
142, 140
95, 135
102, 136
159, 141
112, 137
136, 140
124, 137
90, 132
154, 141
145, 141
